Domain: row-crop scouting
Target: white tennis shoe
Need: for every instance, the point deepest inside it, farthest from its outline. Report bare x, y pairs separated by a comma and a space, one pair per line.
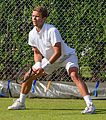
17, 105
89, 109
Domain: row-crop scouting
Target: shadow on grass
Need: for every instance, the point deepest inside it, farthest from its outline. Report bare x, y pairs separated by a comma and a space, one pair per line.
52, 109
98, 111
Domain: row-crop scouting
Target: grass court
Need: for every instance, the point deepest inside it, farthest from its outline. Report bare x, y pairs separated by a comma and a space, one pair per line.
51, 109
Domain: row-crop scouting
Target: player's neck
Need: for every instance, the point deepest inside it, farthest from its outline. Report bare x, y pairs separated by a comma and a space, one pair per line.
38, 28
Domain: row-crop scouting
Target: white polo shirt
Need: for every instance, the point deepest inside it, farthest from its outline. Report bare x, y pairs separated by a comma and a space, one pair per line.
46, 39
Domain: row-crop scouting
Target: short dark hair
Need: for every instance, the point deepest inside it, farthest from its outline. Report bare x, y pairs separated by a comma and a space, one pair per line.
42, 10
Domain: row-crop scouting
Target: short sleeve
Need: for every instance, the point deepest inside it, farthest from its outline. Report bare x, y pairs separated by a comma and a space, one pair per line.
31, 39
55, 36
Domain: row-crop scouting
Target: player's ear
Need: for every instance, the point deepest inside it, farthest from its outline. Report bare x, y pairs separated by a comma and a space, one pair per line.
44, 18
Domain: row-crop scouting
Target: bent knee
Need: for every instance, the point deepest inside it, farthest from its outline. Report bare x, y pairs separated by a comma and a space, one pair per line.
73, 72
74, 76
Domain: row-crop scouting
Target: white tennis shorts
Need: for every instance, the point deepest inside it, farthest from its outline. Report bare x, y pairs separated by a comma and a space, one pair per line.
71, 61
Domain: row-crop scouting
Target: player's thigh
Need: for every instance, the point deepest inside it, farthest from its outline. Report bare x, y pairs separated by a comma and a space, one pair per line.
71, 62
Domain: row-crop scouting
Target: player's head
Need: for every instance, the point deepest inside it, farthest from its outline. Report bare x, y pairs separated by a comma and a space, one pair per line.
42, 10
39, 16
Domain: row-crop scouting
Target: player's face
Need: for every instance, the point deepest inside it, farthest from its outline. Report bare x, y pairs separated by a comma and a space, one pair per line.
37, 19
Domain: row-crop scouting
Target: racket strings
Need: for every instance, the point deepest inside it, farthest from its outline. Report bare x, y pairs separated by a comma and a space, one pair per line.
23, 73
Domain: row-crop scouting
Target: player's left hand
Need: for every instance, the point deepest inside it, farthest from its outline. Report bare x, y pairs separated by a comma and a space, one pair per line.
39, 70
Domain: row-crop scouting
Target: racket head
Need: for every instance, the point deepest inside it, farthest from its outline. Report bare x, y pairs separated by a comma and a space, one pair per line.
21, 75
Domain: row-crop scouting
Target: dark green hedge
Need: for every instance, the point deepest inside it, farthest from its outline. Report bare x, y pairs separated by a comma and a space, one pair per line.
80, 22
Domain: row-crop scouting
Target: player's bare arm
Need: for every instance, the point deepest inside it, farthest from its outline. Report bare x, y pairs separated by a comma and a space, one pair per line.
37, 59
57, 52
54, 57
37, 55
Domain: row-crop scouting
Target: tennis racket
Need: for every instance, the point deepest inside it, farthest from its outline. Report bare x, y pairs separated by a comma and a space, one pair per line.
24, 74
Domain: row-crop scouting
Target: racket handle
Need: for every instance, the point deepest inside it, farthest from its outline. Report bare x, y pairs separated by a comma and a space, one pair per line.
48, 85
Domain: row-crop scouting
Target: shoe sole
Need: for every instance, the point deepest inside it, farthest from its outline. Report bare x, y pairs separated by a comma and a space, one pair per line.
16, 108
89, 113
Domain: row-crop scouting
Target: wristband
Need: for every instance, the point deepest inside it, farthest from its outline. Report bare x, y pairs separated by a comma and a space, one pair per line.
46, 65
37, 65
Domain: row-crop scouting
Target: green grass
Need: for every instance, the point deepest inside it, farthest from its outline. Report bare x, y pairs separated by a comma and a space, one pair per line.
51, 109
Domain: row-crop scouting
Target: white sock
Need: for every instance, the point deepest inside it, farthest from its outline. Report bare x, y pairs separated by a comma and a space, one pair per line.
22, 98
87, 99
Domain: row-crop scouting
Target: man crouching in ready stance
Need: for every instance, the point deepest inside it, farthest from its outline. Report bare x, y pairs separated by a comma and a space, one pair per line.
46, 40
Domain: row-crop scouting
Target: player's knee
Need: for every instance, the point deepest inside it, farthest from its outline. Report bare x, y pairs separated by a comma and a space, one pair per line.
73, 75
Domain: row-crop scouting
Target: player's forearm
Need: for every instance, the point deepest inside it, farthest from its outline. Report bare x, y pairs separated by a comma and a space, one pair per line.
37, 55
57, 52
55, 57
37, 58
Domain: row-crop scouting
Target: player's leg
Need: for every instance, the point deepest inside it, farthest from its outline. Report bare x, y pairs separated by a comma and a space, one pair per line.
26, 86
71, 65
73, 72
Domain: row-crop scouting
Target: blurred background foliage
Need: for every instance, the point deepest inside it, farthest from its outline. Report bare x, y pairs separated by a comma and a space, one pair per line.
80, 22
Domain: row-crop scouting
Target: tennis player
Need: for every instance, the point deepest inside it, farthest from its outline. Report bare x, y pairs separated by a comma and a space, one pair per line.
47, 42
